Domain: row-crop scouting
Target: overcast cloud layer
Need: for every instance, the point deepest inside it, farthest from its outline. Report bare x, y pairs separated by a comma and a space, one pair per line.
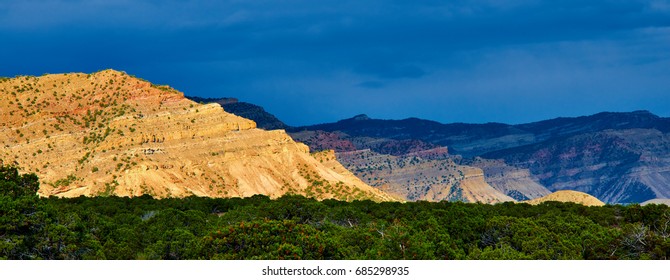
319, 61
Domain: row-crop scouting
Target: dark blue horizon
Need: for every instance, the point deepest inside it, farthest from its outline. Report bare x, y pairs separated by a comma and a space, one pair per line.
315, 62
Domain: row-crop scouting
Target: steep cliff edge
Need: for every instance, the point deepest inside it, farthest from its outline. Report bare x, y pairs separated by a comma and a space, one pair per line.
109, 133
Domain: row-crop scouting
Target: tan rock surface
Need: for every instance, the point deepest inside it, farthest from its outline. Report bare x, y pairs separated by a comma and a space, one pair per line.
657, 201
109, 133
568, 196
515, 182
418, 177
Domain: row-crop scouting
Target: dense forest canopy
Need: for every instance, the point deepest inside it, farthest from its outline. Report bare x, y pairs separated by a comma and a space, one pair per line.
294, 227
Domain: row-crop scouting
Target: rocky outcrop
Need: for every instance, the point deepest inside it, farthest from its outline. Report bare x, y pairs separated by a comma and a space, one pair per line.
415, 177
109, 133
515, 182
568, 196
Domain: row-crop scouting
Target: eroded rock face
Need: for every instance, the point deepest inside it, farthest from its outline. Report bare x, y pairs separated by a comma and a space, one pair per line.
411, 169
422, 176
109, 133
515, 182
616, 166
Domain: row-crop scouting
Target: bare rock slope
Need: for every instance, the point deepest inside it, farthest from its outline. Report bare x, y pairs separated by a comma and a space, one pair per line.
421, 176
656, 201
515, 182
109, 133
616, 166
568, 196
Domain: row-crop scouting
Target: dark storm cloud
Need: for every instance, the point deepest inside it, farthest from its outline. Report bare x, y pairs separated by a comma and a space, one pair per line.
315, 61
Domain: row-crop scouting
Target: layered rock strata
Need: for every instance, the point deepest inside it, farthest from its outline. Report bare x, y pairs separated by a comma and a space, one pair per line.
109, 133
416, 176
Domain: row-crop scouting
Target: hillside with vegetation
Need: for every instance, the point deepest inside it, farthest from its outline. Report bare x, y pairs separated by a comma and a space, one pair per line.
109, 133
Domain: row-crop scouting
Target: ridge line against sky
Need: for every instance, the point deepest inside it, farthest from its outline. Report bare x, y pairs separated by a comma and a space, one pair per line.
313, 62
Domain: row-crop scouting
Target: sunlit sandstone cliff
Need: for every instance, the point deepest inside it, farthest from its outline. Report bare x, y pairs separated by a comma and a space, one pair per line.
109, 133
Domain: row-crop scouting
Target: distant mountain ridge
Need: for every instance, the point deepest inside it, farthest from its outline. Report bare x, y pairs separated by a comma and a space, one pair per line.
476, 139
618, 157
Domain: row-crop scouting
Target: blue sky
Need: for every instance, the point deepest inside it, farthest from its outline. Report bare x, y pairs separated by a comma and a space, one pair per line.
320, 61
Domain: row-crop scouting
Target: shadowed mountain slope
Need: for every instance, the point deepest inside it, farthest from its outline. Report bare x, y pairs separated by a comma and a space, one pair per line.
617, 157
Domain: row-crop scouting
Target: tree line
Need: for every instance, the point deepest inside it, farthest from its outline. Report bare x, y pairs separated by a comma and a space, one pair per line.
295, 227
